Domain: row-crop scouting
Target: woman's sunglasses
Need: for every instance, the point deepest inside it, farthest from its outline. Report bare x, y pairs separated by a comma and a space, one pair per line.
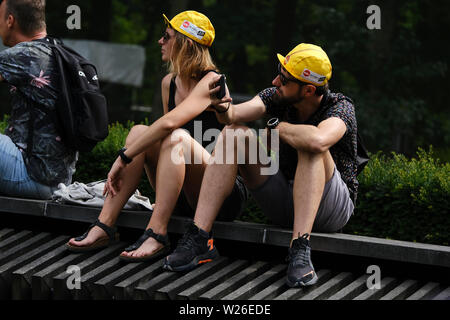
166, 36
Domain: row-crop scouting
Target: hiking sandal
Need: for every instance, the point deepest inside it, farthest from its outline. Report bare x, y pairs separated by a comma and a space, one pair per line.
147, 234
103, 242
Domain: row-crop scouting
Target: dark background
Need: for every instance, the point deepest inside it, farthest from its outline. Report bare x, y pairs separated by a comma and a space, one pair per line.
398, 76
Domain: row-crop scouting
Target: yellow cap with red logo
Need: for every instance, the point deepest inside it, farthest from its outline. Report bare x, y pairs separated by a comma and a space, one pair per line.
194, 25
308, 63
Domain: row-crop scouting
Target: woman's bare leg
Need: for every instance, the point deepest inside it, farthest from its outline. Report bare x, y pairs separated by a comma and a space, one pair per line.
113, 205
176, 171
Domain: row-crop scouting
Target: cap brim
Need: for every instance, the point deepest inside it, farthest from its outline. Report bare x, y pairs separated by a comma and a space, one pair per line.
166, 20
281, 58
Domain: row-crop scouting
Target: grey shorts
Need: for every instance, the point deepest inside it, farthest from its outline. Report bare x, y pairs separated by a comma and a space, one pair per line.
275, 198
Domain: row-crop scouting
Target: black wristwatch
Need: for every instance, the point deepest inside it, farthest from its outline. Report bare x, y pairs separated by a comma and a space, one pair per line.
123, 156
273, 123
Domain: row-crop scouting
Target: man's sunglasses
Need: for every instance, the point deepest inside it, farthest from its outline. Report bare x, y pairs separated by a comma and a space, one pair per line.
285, 80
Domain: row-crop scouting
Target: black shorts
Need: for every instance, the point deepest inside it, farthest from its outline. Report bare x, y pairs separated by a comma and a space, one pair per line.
231, 209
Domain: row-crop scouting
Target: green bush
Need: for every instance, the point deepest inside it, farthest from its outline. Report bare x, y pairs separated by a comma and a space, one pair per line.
404, 199
95, 165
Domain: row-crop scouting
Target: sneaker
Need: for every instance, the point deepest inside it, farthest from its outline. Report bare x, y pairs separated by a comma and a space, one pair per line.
300, 271
195, 248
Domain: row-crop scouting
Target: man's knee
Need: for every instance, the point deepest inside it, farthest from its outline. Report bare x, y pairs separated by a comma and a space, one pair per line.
305, 157
237, 136
234, 144
178, 137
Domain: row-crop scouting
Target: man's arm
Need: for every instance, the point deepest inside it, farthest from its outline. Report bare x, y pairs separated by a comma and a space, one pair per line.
227, 113
1, 78
248, 111
310, 138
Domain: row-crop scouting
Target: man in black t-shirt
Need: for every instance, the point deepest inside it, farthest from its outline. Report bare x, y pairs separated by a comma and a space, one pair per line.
33, 158
316, 183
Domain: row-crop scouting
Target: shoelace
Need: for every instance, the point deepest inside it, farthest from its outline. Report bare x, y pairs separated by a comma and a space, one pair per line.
299, 255
187, 241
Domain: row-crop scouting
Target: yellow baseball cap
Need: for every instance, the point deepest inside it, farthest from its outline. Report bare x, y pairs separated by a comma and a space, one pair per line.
308, 63
194, 25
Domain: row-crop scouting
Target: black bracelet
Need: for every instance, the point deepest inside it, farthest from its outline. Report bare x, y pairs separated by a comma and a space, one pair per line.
273, 123
123, 156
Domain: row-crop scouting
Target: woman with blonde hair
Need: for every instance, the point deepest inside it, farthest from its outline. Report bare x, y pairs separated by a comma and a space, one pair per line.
173, 160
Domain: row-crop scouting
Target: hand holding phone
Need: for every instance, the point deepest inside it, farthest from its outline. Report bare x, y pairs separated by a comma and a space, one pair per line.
221, 93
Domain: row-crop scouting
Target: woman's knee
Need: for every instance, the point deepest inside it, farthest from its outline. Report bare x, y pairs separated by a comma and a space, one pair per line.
135, 132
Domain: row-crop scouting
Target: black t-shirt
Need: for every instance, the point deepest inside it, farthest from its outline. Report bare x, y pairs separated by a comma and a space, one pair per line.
343, 152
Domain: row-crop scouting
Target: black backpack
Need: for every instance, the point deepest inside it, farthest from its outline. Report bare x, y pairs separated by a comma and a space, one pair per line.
362, 156
81, 109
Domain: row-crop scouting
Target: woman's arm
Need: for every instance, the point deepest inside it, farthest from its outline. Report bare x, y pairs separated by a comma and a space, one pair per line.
197, 101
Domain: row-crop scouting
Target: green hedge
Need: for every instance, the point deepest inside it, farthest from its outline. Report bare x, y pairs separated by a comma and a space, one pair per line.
404, 199
399, 198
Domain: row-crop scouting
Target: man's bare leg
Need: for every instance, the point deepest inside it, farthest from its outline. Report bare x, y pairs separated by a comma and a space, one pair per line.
219, 178
197, 244
313, 171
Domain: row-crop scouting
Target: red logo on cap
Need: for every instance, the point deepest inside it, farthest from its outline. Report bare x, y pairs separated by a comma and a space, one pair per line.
306, 73
186, 24
286, 60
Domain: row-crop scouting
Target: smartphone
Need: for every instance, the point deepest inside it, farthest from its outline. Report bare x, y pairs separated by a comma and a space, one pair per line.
221, 93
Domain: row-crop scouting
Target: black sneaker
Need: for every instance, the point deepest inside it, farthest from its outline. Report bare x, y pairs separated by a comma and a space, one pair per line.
300, 271
195, 248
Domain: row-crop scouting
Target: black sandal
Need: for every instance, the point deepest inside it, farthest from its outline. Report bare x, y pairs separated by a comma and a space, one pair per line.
112, 237
147, 234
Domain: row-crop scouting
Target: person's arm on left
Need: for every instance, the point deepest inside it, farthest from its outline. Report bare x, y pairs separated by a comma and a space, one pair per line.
1, 78
311, 138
